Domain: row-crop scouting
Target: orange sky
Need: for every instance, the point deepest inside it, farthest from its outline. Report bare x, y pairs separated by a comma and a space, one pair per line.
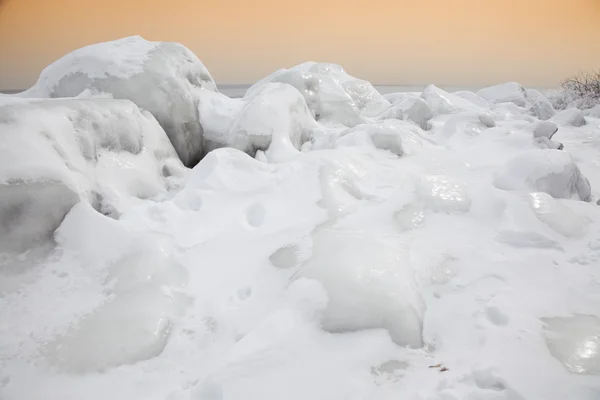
536, 42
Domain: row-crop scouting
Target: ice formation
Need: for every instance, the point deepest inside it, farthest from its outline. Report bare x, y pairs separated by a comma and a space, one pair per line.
332, 95
160, 77
331, 242
56, 152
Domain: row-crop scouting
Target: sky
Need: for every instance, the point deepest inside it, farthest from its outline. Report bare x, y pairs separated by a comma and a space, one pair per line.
446, 42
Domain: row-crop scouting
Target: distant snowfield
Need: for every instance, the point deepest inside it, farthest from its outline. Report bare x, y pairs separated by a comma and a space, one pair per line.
332, 242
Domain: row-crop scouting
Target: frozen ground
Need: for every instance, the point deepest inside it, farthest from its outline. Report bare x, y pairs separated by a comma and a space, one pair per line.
336, 244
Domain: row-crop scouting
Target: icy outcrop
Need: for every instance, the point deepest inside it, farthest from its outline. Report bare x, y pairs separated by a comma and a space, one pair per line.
510, 92
369, 283
542, 109
160, 77
549, 171
275, 119
332, 95
105, 152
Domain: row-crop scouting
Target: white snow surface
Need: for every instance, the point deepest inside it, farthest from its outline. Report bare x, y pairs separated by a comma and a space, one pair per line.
436, 246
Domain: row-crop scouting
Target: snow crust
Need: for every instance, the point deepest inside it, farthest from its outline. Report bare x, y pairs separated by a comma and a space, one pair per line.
332, 243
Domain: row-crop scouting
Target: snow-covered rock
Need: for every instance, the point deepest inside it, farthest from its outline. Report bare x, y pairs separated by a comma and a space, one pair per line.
54, 153
160, 77
510, 92
550, 171
276, 115
332, 95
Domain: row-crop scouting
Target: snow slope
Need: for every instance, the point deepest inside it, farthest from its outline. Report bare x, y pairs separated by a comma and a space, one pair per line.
432, 246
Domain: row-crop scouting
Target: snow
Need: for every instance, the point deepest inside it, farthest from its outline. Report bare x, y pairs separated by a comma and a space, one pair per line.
105, 152
331, 243
160, 77
333, 96
276, 116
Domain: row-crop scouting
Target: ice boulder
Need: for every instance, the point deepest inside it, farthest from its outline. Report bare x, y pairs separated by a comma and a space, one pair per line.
569, 117
442, 102
54, 153
410, 108
277, 114
549, 171
332, 95
467, 124
510, 92
369, 282
160, 77
542, 109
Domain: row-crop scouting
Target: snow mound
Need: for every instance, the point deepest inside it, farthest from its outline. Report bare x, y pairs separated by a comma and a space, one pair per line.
570, 117
275, 119
369, 283
442, 102
134, 323
160, 77
542, 109
467, 124
410, 108
549, 171
105, 152
593, 112
332, 95
510, 92
473, 98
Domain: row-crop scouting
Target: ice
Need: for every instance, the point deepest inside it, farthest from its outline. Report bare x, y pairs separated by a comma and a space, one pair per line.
160, 77
331, 243
105, 152
543, 109
510, 92
410, 108
550, 171
25, 216
369, 283
442, 102
332, 95
575, 342
276, 120
441, 193
558, 216
466, 124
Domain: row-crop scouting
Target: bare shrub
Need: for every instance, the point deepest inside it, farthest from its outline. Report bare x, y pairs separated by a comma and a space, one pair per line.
581, 91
